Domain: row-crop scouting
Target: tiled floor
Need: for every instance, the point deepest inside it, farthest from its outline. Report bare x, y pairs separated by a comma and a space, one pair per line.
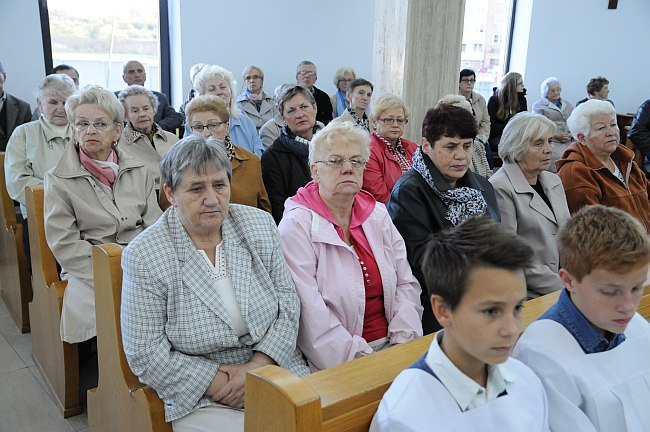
25, 404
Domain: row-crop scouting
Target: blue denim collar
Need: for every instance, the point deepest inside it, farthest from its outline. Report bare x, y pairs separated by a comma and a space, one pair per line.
590, 340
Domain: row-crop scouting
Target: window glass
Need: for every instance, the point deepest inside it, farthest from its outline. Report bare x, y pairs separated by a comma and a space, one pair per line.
97, 39
484, 26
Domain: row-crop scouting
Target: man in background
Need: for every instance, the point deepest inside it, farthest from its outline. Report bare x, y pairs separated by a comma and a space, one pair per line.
13, 111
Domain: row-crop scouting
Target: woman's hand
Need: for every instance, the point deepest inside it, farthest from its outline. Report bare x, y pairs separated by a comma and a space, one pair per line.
219, 380
232, 393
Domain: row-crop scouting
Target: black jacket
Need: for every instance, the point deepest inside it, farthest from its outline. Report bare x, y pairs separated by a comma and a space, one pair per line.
418, 213
496, 123
285, 169
640, 129
323, 106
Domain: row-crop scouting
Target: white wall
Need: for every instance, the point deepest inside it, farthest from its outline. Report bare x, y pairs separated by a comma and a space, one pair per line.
274, 35
21, 47
577, 40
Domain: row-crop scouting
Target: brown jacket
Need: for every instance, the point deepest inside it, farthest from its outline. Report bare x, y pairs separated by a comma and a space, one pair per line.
587, 181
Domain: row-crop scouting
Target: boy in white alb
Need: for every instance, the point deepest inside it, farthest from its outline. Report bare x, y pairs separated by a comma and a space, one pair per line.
591, 349
466, 381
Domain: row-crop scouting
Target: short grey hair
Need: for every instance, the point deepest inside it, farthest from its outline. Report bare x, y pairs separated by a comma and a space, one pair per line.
386, 102
579, 121
212, 71
522, 130
334, 132
249, 68
546, 84
137, 90
292, 91
193, 152
340, 74
94, 95
195, 69
56, 84
456, 100
306, 63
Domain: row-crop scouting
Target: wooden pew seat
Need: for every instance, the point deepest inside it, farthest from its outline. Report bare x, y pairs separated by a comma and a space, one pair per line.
120, 403
58, 361
15, 282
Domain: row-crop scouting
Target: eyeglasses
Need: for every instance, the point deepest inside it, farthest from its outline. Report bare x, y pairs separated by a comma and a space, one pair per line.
338, 163
468, 80
345, 80
391, 120
253, 77
307, 74
83, 126
199, 128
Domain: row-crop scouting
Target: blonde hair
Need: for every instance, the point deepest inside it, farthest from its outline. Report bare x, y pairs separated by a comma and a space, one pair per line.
206, 103
347, 132
507, 94
95, 95
386, 102
211, 71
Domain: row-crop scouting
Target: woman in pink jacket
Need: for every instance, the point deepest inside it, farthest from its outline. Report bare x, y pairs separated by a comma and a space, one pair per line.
348, 261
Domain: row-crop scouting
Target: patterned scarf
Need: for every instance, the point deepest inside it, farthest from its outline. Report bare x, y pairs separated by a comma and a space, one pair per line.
398, 151
363, 122
230, 148
462, 202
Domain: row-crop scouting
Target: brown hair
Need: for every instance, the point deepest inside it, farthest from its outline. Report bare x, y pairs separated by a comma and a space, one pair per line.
599, 237
508, 97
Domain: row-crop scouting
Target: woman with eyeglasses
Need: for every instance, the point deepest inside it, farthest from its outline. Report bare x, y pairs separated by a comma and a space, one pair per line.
479, 106
358, 94
142, 138
348, 261
284, 164
390, 154
256, 104
207, 116
95, 194
342, 77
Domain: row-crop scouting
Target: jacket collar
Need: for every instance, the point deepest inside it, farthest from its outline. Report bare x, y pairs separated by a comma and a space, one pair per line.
131, 135
581, 153
69, 165
468, 180
521, 186
51, 134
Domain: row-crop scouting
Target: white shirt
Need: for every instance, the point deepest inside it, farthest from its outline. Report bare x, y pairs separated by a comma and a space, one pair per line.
223, 286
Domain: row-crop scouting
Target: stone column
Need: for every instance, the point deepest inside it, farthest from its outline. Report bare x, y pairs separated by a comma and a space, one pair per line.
416, 53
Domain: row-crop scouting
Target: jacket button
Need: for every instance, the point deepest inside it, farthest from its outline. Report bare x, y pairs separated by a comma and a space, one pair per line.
259, 332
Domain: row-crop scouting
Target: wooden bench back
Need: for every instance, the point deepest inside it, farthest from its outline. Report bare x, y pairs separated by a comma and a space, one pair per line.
8, 212
120, 402
43, 261
343, 398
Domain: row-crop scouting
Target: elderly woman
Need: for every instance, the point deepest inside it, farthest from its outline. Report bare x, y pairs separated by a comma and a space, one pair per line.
284, 164
259, 107
270, 131
557, 110
531, 199
206, 295
218, 81
598, 88
596, 170
35, 147
440, 191
94, 195
390, 154
342, 77
142, 138
358, 95
348, 261
508, 99
207, 115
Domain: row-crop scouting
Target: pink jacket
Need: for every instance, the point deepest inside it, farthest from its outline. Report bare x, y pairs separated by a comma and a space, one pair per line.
330, 285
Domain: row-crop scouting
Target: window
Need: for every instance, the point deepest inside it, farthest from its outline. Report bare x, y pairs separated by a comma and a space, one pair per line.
97, 41
488, 50
463, 47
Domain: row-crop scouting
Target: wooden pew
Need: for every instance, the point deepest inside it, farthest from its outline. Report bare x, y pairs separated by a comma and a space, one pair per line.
15, 282
120, 402
343, 398
58, 361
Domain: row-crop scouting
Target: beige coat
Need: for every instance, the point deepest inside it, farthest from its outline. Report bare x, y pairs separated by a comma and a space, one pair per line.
479, 107
137, 145
79, 214
525, 212
267, 109
32, 150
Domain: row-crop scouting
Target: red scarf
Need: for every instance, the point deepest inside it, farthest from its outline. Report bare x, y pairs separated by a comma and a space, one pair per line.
104, 174
362, 208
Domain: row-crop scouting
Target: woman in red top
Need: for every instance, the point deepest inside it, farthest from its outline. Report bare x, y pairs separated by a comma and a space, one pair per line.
390, 154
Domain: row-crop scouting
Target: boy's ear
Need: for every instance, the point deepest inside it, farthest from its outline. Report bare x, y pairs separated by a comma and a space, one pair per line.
441, 310
567, 279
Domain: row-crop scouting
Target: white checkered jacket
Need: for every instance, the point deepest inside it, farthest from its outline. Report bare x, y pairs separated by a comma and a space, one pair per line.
176, 332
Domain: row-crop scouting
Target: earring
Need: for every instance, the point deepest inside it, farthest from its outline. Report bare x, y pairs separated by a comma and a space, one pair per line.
114, 144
